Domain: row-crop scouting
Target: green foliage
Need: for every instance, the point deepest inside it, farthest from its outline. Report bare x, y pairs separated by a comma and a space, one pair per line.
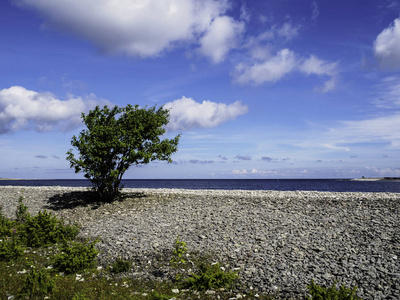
6, 225
10, 249
76, 256
120, 266
45, 229
180, 250
37, 285
22, 211
211, 277
80, 296
117, 138
154, 295
331, 293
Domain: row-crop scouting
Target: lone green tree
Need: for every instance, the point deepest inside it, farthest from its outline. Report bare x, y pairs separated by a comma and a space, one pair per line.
117, 138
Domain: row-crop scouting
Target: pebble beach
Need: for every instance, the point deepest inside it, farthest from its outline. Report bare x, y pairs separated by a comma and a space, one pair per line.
277, 240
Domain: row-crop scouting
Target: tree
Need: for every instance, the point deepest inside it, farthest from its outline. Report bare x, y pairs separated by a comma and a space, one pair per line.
117, 138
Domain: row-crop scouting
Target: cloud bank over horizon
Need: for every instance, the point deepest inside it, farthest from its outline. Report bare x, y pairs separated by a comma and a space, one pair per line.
22, 109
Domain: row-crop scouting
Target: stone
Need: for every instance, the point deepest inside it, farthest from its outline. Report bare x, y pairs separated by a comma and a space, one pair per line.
298, 235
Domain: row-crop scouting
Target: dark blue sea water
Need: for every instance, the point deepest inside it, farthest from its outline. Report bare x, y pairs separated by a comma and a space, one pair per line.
326, 185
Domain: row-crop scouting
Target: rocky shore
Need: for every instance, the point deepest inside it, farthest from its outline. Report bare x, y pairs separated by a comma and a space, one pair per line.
278, 240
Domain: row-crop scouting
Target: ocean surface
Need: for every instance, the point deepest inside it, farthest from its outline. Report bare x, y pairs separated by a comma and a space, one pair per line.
325, 185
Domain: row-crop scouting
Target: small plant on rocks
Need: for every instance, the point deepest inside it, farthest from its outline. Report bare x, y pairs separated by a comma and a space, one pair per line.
120, 266
331, 293
180, 250
22, 210
211, 277
6, 225
75, 256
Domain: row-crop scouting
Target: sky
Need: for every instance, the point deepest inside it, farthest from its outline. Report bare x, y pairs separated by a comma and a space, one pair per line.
258, 89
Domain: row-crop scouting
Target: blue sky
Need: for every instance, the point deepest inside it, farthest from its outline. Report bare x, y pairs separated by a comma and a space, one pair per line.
258, 89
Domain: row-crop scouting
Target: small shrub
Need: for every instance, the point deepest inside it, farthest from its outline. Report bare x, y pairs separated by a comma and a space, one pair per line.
331, 293
10, 250
22, 211
154, 295
45, 229
37, 285
80, 296
120, 266
6, 225
180, 250
75, 256
210, 277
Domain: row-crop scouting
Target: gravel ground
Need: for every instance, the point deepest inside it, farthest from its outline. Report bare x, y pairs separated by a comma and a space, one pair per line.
279, 240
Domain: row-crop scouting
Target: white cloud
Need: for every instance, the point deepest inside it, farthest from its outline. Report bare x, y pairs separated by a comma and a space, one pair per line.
387, 45
223, 35
186, 113
334, 147
270, 70
315, 10
288, 31
389, 93
329, 85
25, 109
314, 65
142, 27
253, 171
374, 129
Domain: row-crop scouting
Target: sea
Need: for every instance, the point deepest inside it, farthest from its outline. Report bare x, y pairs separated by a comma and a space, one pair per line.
324, 185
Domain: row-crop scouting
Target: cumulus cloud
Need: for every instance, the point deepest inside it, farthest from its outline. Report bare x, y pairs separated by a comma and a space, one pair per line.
267, 68
25, 109
270, 70
143, 27
223, 34
387, 45
288, 31
186, 113
314, 65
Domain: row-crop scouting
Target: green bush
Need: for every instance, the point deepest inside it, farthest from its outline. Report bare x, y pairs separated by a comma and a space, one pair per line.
45, 229
6, 225
75, 256
120, 266
154, 295
22, 211
37, 285
331, 293
211, 277
179, 252
10, 249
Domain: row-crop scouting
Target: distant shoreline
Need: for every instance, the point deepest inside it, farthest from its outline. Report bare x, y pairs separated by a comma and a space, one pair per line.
377, 179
